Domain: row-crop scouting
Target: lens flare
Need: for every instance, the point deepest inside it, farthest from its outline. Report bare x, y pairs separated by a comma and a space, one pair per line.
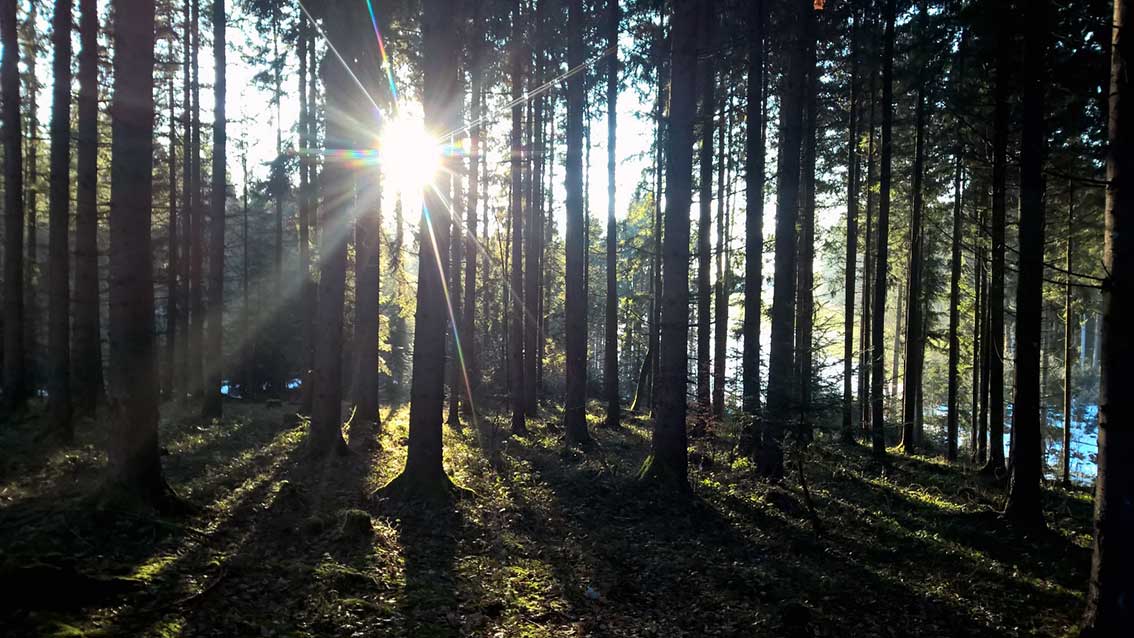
410, 156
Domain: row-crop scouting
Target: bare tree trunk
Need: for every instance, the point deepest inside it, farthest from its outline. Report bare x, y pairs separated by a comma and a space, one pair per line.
472, 253
754, 181
133, 454
306, 202
952, 426
212, 406
610, 372
708, 78
59, 233
1024, 504
1111, 589
575, 410
516, 323
866, 356
852, 239
15, 383
720, 289
86, 345
1068, 337
196, 220
781, 362
882, 250
172, 306
805, 267
668, 460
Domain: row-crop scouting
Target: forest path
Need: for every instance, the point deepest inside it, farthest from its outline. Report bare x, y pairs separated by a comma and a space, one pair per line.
550, 542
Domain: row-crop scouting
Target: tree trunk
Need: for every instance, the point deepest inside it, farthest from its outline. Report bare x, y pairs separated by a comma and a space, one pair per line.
424, 475
306, 201
707, 77
668, 460
866, 356
516, 310
86, 343
952, 426
1109, 612
534, 235
1024, 488
15, 383
172, 265
995, 465
575, 410
720, 287
196, 220
754, 179
610, 372
915, 323
1068, 338
456, 263
326, 404
367, 241
133, 454
852, 240
882, 250
59, 253
781, 356
212, 406
472, 250
32, 320
183, 376
805, 267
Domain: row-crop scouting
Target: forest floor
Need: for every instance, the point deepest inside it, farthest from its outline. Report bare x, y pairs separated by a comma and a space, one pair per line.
547, 542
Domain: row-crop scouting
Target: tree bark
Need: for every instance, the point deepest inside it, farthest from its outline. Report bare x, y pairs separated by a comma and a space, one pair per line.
575, 410
866, 356
1068, 338
781, 361
805, 266
172, 305
212, 406
59, 254
707, 77
307, 199
882, 250
852, 239
1024, 487
516, 314
610, 371
754, 179
196, 219
1109, 612
15, 383
472, 250
953, 418
720, 288
668, 460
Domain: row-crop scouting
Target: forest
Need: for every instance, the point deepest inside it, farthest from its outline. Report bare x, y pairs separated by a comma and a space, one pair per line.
566, 318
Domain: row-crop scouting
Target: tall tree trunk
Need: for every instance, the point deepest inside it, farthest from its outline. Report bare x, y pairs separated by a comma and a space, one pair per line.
805, 268
472, 251
986, 354
306, 201
196, 220
133, 454
212, 406
1109, 612
183, 375
952, 426
915, 322
15, 383
720, 290
456, 263
1068, 337
754, 179
337, 198
424, 474
782, 346
86, 343
367, 242
575, 410
32, 319
995, 465
882, 250
668, 460
610, 372
59, 253
852, 239
708, 78
172, 265
660, 144
1024, 488
516, 310
866, 357
533, 215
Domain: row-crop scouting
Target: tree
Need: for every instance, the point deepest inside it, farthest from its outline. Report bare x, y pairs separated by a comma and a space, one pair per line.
472, 253
708, 78
15, 383
610, 369
781, 360
516, 317
337, 181
132, 451
882, 242
953, 406
306, 205
575, 410
668, 460
367, 245
423, 475
995, 355
534, 238
805, 252
1024, 490
1068, 338
196, 215
1111, 588
915, 322
852, 236
172, 302
212, 407
59, 254
86, 348
754, 213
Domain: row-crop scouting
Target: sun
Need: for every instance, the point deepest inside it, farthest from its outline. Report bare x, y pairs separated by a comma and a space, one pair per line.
411, 157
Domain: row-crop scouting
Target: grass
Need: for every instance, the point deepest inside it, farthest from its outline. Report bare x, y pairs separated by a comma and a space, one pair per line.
550, 542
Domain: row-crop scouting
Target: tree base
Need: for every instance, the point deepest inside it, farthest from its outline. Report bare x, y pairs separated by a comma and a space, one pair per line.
161, 498
436, 489
659, 474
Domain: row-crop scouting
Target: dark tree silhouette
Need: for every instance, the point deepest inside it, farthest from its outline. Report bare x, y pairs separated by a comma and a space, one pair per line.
59, 250
15, 384
212, 406
516, 315
610, 359
754, 213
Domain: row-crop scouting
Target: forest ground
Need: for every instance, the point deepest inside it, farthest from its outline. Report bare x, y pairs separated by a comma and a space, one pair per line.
548, 542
